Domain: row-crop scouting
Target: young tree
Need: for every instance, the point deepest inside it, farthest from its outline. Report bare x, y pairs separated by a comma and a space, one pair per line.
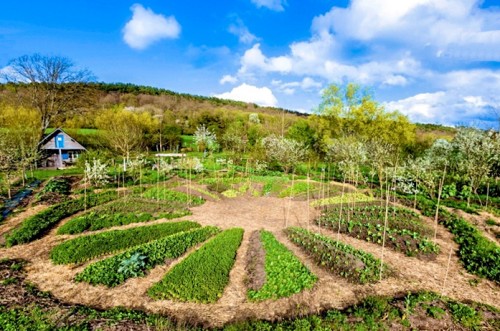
122, 129
205, 138
286, 152
50, 84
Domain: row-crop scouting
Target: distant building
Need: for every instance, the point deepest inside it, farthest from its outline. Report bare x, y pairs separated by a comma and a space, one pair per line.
59, 149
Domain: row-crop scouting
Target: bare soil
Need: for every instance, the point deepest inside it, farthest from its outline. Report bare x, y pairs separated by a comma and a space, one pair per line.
252, 214
256, 257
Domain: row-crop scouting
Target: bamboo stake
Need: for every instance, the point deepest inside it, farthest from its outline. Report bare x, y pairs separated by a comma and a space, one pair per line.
447, 270
308, 206
437, 205
341, 204
385, 227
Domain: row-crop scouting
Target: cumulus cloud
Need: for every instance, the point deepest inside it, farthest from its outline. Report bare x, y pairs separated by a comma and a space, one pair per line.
262, 96
228, 79
306, 84
276, 5
241, 31
147, 27
458, 29
449, 108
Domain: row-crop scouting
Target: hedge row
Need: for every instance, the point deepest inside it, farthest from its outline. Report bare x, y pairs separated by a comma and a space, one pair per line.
340, 259
285, 274
203, 275
88, 247
37, 225
117, 269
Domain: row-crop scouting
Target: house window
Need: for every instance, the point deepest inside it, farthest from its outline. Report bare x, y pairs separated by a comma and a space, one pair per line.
59, 141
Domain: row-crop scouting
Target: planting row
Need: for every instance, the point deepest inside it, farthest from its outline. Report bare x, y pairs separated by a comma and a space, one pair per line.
88, 247
203, 275
136, 261
285, 275
36, 226
122, 212
479, 255
338, 258
344, 199
165, 194
400, 234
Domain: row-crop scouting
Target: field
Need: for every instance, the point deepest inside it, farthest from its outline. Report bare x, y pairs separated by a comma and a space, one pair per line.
236, 250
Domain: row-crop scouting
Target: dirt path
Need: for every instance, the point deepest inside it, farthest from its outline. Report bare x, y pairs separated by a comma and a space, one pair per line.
252, 213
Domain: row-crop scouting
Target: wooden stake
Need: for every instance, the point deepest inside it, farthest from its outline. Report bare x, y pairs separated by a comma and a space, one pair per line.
385, 227
447, 270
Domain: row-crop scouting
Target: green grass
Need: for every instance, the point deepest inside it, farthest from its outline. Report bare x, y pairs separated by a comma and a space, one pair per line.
203, 275
285, 274
44, 174
88, 247
173, 196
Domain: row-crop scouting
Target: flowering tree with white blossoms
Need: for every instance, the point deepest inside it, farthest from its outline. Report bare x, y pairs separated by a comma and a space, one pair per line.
96, 172
287, 152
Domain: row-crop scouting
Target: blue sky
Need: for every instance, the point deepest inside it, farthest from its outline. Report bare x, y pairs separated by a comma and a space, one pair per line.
437, 61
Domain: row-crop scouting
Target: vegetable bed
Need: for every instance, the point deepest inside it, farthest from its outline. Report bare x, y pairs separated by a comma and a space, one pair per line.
404, 232
174, 196
37, 225
203, 275
121, 212
340, 259
285, 274
88, 247
136, 261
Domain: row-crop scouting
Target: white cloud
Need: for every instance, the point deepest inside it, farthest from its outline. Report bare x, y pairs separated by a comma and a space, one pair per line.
453, 28
241, 31
262, 96
147, 27
449, 108
276, 5
228, 79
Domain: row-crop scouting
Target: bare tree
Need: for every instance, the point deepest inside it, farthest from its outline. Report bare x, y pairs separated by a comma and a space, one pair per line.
50, 84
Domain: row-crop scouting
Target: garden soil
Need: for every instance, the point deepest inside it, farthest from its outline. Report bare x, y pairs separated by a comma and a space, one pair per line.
443, 275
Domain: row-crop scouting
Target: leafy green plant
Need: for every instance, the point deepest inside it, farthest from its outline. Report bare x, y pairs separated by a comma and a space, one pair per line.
37, 225
106, 271
285, 274
465, 315
341, 259
132, 266
203, 275
88, 247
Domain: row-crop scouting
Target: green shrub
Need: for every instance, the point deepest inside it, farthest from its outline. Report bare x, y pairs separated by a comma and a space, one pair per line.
285, 274
106, 271
88, 247
341, 259
37, 225
203, 275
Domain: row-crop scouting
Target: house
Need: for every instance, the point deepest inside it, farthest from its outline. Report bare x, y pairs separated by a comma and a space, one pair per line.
59, 149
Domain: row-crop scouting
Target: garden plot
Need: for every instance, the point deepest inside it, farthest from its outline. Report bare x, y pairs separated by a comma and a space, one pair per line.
88, 247
284, 274
204, 274
124, 211
404, 231
136, 261
340, 259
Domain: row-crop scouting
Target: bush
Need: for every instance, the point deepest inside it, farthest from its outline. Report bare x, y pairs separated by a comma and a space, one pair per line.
106, 271
88, 247
37, 225
203, 275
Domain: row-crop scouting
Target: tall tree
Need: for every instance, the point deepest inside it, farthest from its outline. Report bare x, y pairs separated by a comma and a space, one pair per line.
52, 85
